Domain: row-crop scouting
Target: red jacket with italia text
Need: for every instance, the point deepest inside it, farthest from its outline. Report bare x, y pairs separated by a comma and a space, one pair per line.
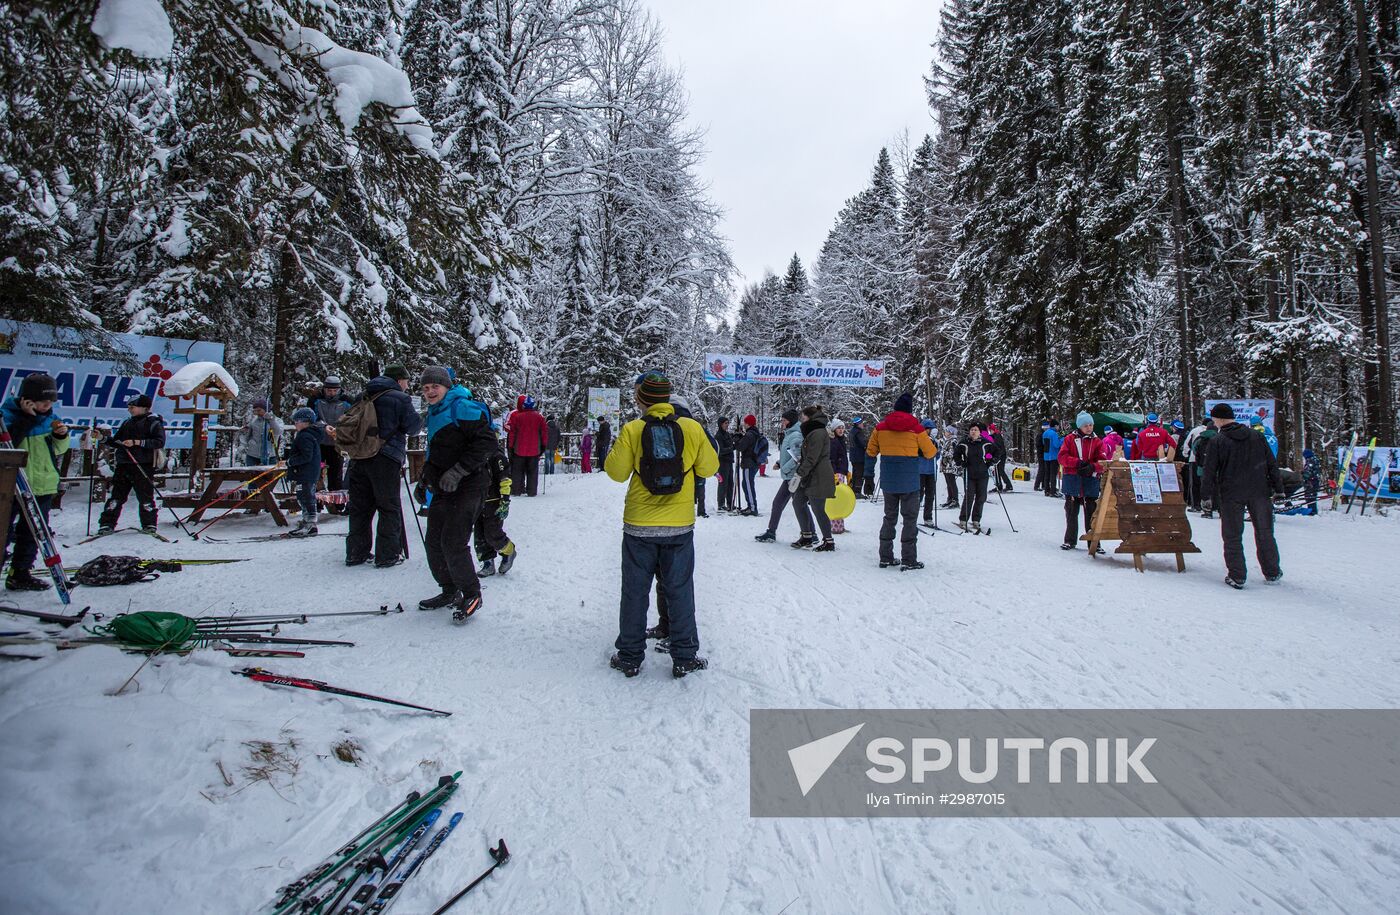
1149, 443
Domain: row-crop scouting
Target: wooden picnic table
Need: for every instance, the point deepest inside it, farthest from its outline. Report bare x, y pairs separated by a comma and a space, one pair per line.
218, 477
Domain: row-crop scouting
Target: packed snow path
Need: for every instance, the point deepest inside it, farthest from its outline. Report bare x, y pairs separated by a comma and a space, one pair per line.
632, 795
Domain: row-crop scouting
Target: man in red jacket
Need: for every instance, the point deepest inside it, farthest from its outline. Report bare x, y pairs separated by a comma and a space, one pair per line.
526, 439
1153, 443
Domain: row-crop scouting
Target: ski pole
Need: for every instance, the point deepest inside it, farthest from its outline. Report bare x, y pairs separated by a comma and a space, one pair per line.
1008, 514
43, 617
302, 617
389, 826
239, 504
264, 676
150, 480
92, 480
223, 496
38, 525
270, 640
416, 520
500, 855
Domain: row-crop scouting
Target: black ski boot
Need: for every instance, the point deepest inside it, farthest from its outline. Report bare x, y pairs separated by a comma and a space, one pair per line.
766, 537
1237, 585
803, 542
445, 599
826, 546
656, 632
508, 559
486, 569
627, 670
1066, 546
689, 666
663, 646
888, 563
910, 566
24, 580
465, 607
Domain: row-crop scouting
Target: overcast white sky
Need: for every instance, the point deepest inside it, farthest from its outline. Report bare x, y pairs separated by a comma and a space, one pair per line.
796, 99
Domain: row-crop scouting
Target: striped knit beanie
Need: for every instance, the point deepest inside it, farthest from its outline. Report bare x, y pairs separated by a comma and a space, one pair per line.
653, 388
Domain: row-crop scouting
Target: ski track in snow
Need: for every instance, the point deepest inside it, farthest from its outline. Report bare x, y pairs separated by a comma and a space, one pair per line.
632, 795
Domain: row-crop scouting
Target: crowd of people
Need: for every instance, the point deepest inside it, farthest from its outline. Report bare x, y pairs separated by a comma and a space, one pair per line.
472, 465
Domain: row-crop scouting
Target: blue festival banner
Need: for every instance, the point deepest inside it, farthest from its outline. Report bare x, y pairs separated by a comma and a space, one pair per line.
842, 373
93, 385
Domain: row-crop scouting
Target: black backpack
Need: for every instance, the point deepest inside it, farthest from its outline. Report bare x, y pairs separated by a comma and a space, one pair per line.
662, 468
121, 570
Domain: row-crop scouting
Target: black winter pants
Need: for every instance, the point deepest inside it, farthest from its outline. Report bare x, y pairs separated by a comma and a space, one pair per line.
951, 481
374, 489
726, 484
451, 517
1050, 477
490, 531
1003, 481
905, 506
973, 499
126, 478
805, 508
1072, 504
928, 489
335, 467
1261, 515
524, 475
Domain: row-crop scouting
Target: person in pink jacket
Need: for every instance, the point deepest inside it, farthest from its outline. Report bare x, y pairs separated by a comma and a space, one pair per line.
586, 450
1112, 441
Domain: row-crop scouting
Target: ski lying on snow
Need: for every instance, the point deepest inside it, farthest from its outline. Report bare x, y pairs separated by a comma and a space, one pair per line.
122, 530
268, 538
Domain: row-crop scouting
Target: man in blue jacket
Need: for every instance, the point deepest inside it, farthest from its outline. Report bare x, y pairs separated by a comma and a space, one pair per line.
373, 483
1048, 479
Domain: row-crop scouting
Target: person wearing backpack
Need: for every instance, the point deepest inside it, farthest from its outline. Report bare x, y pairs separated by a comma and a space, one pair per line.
753, 450
457, 471
329, 406
374, 433
659, 456
789, 455
134, 445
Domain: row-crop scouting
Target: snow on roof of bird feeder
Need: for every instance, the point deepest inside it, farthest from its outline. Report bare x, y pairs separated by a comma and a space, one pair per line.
195, 378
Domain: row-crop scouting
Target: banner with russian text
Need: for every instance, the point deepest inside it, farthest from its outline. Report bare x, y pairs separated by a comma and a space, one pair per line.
846, 373
93, 387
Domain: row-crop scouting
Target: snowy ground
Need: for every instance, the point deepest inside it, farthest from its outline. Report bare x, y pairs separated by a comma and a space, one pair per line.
632, 795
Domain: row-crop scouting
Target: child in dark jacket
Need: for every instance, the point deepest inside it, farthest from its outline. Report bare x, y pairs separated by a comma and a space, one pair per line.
1312, 480
304, 468
490, 534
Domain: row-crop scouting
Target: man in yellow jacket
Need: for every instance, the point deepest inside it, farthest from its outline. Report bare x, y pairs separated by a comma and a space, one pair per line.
659, 456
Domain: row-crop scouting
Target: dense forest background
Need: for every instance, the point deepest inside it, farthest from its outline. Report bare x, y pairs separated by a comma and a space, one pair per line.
1122, 205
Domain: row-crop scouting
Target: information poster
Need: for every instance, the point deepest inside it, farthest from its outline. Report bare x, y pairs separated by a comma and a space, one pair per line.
1166, 475
1147, 485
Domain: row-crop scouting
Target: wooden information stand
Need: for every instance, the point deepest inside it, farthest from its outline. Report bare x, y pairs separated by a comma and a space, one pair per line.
1143, 528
